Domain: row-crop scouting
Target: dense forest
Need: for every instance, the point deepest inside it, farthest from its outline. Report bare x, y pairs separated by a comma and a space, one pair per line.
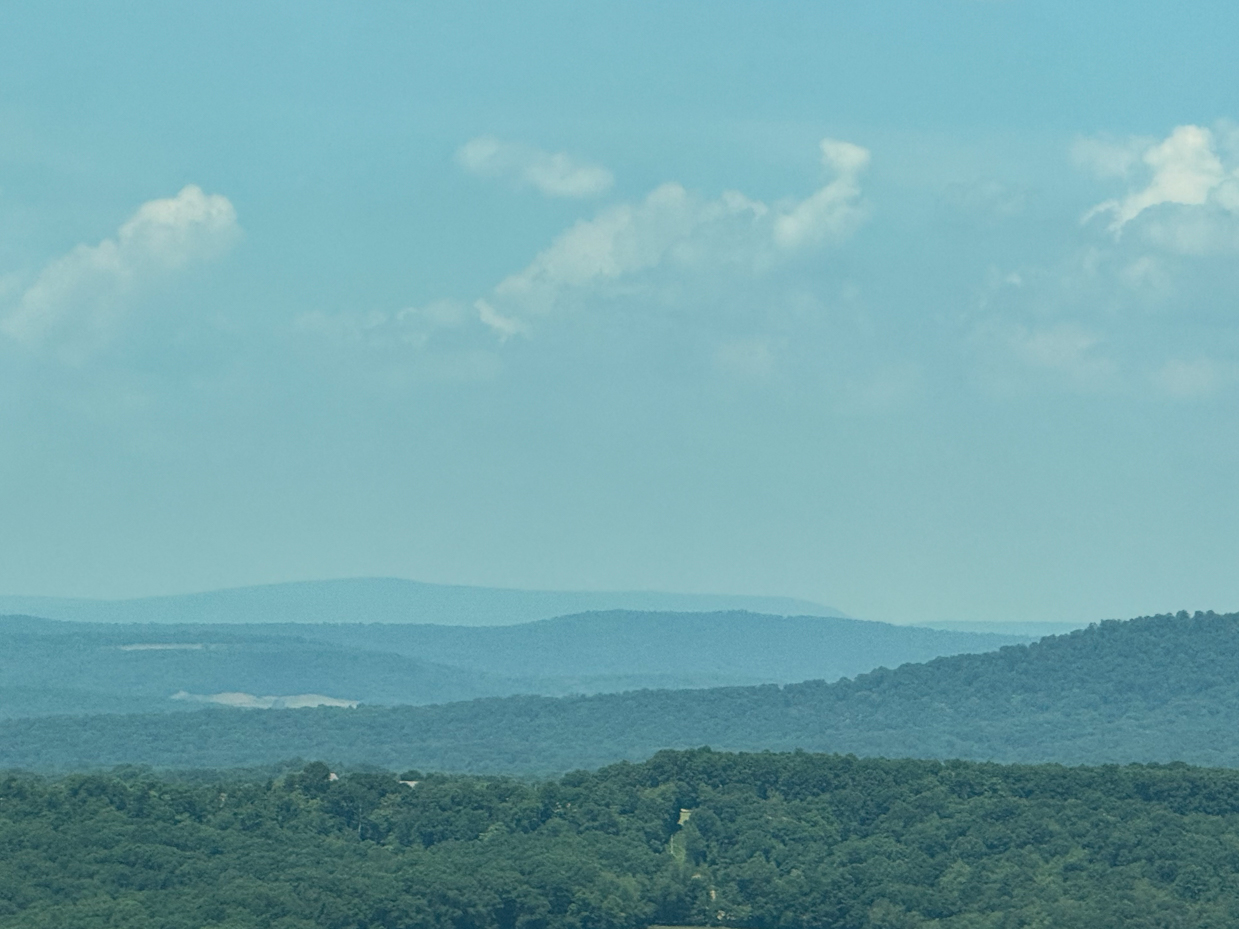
1161, 688
54, 667
700, 838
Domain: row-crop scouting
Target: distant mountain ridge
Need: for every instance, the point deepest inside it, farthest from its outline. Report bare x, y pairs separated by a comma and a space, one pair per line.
1159, 688
1033, 630
736, 647
56, 666
388, 600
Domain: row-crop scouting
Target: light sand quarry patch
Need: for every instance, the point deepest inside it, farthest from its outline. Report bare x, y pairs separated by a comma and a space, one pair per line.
246, 701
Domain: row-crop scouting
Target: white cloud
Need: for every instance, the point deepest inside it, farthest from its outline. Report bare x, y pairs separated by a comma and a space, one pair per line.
78, 299
1185, 170
503, 326
833, 210
620, 242
671, 247
555, 175
1192, 379
246, 701
673, 228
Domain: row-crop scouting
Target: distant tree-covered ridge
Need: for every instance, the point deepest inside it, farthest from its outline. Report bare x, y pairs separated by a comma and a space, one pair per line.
1162, 688
54, 667
387, 600
766, 841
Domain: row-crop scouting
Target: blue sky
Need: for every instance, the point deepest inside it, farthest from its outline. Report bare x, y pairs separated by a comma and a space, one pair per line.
923, 310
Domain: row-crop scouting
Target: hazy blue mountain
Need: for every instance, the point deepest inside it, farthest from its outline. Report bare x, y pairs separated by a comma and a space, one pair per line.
729, 647
53, 666
1155, 689
387, 600
63, 667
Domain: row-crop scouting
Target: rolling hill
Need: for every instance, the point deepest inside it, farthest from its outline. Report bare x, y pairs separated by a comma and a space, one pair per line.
387, 600
50, 667
1159, 688
627, 649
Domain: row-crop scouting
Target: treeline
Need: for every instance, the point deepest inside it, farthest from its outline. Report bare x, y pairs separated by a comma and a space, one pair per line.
1155, 689
763, 841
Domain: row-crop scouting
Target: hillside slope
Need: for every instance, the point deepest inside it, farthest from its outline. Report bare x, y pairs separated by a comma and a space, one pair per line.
387, 600
1154, 689
49, 667
763, 841
733, 647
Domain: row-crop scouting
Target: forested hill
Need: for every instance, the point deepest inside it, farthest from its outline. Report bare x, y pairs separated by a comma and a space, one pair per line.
50, 667
694, 838
731, 647
1155, 689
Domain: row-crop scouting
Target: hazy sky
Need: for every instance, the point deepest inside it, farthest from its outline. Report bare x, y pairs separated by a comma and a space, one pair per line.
926, 310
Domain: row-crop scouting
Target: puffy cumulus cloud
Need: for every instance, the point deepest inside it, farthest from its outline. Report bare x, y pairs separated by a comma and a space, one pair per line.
553, 174
669, 227
674, 229
1184, 170
77, 300
833, 210
651, 248
1091, 319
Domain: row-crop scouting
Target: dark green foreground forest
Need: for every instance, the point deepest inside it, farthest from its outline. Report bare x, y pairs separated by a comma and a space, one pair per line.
696, 838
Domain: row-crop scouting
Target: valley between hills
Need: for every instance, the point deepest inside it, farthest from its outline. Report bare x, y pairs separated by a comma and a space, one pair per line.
614, 769
591, 689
